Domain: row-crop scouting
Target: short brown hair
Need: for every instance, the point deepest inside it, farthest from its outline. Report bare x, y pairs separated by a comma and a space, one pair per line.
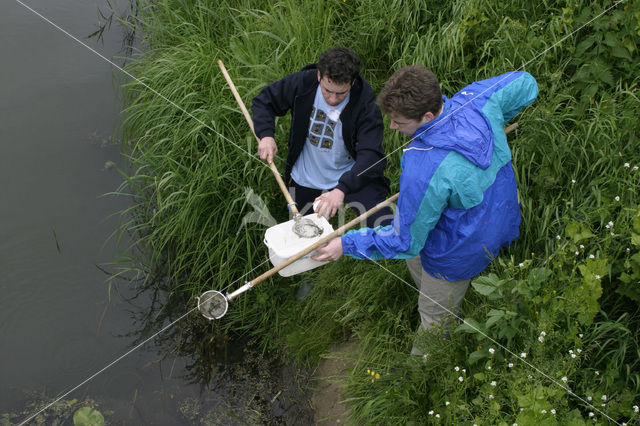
339, 64
412, 91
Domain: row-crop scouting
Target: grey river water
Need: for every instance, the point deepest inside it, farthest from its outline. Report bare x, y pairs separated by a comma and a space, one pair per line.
58, 325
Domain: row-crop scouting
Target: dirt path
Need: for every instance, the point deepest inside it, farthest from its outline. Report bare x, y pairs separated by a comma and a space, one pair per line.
328, 387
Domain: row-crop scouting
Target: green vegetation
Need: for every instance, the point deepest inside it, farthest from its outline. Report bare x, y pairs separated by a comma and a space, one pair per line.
551, 329
62, 412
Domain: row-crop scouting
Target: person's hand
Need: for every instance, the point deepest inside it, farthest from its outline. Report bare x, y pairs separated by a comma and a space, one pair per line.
327, 204
267, 149
331, 251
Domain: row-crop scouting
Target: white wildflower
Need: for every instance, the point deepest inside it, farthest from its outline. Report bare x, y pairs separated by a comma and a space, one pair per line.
447, 403
437, 416
431, 412
580, 335
597, 277
581, 246
627, 165
491, 351
543, 411
570, 351
578, 350
597, 373
589, 398
591, 256
457, 368
493, 383
543, 333
540, 339
591, 414
603, 397
636, 408
573, 356
573, 181
488, 367
510, 365
490, 396
577, 252
461, 379
617, 198
610, 224
553, 411
523, 355
635, 168
558, 237
564, 379
521, 265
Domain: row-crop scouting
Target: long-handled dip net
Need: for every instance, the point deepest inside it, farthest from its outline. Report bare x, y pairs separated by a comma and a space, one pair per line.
212, 304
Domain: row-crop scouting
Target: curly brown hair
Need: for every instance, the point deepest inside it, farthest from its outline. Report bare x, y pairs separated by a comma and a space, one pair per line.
339, 64
412, 91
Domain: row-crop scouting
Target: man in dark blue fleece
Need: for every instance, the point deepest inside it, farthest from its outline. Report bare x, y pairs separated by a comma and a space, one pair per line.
335, 151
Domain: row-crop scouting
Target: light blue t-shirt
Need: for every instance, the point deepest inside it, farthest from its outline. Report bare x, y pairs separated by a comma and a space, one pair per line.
324, 158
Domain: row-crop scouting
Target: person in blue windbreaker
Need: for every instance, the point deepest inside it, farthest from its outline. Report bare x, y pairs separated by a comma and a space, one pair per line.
458, 202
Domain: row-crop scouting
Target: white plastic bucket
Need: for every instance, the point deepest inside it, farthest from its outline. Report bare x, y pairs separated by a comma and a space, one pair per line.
283, 243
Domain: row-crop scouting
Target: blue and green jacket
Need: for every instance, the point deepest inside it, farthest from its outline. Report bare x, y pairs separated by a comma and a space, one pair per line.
458, 201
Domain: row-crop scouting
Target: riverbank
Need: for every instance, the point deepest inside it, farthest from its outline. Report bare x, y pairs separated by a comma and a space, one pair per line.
558, 308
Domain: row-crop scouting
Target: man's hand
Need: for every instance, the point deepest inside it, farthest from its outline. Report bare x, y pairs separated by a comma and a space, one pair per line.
331, 251
267, 149
327, 204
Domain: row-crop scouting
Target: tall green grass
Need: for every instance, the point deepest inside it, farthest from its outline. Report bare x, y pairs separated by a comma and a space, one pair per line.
574, 157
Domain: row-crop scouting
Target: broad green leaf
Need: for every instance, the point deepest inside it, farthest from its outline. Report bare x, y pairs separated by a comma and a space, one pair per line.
507, 331
620, 52
576, 231
594, 268
486, 285
494, 315
611, 39
475, 356
87, 416
590, 91
469, 326
606, 77
584, 45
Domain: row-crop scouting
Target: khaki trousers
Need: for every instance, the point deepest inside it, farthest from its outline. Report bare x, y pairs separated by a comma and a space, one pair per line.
437, 299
